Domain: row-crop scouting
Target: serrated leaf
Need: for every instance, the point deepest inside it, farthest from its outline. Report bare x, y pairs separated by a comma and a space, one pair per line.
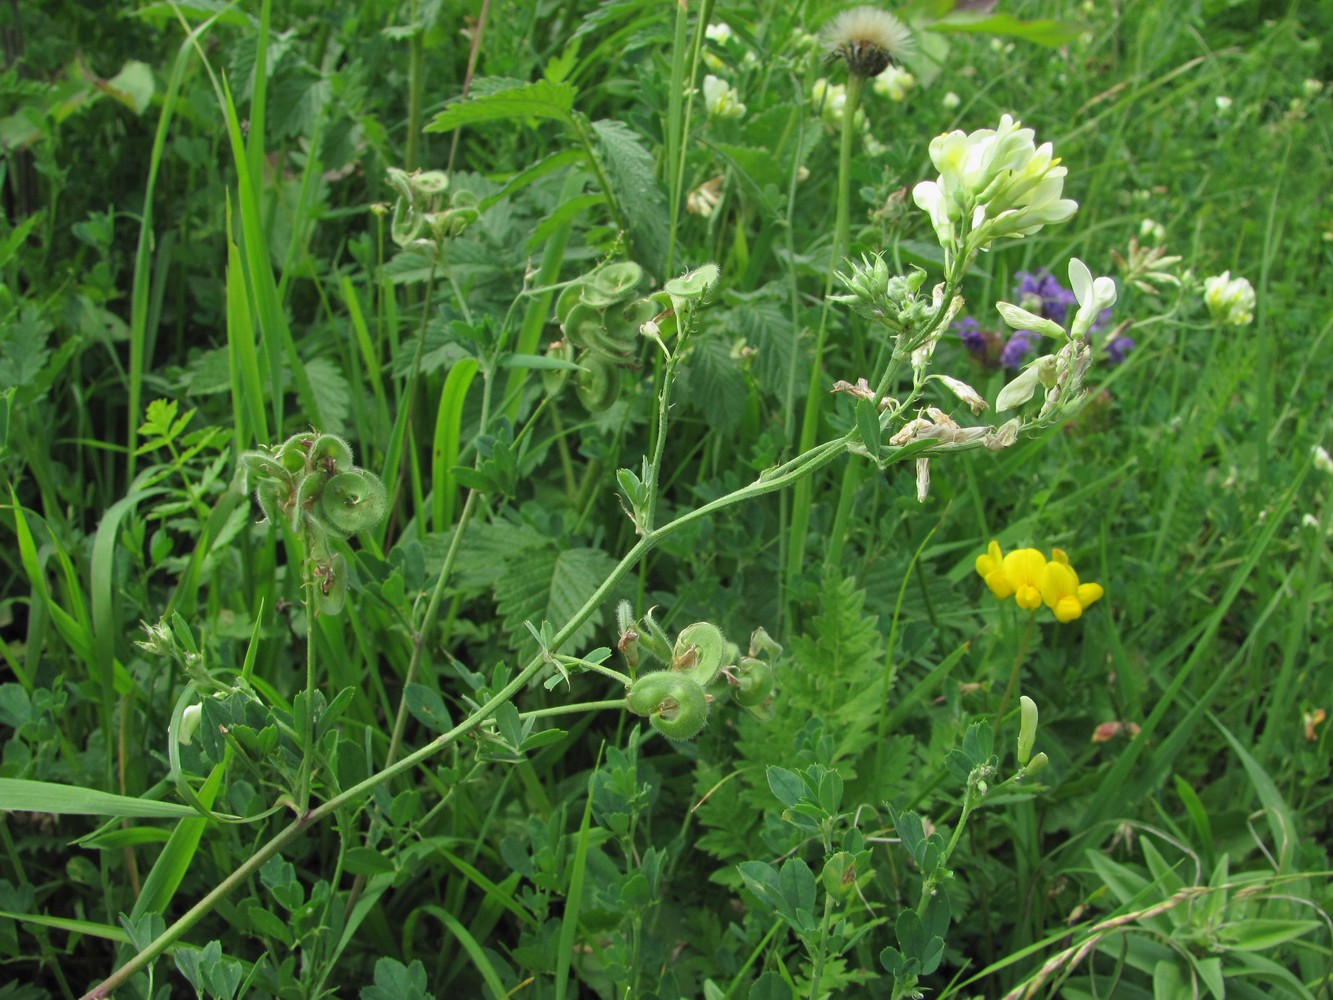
632, 173
550, 584
23, 351
132, 86
332, 393
714, 385
543, 99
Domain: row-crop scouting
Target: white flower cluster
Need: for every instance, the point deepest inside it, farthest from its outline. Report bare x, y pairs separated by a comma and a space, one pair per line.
993, 183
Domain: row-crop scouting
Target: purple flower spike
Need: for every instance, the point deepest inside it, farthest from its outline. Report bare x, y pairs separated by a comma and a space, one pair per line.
1020, 345
1117, 349
1042, 293
970, 333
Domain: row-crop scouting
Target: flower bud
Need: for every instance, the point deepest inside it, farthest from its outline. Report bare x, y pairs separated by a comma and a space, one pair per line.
1027, 728
189, 723
1036, 765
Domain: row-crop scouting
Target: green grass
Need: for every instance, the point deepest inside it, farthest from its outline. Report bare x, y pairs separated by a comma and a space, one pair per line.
484, 819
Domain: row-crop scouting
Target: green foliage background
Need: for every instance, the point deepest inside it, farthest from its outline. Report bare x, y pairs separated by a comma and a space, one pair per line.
159, 245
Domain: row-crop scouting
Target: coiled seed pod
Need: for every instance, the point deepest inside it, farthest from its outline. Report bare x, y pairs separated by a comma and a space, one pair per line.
698, 652
331, 454
351, 502
598, 382
755, 685
675, 705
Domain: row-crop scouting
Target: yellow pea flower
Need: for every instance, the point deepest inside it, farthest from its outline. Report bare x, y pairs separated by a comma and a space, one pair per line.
991, 568
1025, 568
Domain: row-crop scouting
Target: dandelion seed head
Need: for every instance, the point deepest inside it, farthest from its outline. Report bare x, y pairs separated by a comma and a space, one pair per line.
868, 39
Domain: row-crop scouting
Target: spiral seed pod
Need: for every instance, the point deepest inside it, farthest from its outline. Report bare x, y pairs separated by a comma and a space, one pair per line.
351, 502
331, 585
331, 454
623, 324
554, 379
570, 296
698, 652
756, 683
272, 495
307, 497
675, 705
260, 465
294, 454
582, 324
611, 283
598, 382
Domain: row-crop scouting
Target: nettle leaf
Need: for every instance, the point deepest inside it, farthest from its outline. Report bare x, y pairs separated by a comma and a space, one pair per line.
550, 584
332, 393
23, 350
543, 99
714, 385
633, 175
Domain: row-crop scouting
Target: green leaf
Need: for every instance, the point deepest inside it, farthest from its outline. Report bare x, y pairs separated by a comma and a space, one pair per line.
132, 86
1262, 934
1044, 31
542, 100
20, 795
329, 386
549, 584
867, 425
632, 173
786, 785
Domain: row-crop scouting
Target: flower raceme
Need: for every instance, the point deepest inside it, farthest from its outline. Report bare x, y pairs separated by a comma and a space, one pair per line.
993, 183
1031, 580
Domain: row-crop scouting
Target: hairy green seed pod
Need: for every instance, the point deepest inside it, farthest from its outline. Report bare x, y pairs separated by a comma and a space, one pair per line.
307, 498
611, 283
598, 382
352, 501
755, 683
1027, 728
582, 325
698, 652
260, 465
430, 182
570, 296
623, 324
331, 454
653, 639
331, 585
272, 497
554, 379
294, 454
675, 705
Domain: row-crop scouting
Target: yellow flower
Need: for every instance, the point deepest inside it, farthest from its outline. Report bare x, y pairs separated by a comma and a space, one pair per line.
991, 568
1032, 580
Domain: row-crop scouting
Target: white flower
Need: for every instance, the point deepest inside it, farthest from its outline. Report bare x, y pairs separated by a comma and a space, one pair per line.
1223, 104
1093, 296
189, 723
998, 181
720, 99
1229, 300
721, 34
1151, 229
894, 83
829, 98
1312, 87
1322, 461
951, 101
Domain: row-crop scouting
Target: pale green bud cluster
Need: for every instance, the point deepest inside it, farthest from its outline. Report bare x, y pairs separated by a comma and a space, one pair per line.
874, 292
1229, 300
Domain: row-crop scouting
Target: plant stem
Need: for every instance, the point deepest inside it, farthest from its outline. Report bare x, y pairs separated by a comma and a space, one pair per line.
1013, 673
768, 482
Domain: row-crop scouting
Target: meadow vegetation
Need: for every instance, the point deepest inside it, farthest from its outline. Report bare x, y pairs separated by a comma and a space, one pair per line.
633, 500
